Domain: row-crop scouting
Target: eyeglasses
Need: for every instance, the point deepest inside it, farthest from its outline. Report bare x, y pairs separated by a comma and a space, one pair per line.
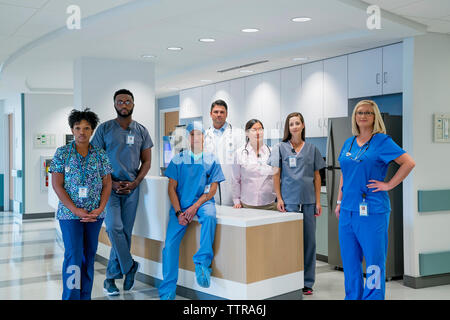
260, 130
120, 102
366, 113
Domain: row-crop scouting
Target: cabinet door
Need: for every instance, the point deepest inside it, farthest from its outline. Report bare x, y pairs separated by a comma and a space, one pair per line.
208, 93
291, 88
271, 104
393, 68
311, 105
254, 93
335, 89
365, 73
236, 104
191, 103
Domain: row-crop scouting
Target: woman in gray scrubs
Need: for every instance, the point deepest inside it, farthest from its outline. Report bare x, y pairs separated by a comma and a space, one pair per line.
297, 186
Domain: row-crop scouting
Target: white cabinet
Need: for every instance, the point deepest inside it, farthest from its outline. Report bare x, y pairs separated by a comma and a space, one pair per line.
393, 68
237, 103
335, 88
375, 72
291, 89
364, 73
254, 97
208, 93
271, 104
191, 103
311, 101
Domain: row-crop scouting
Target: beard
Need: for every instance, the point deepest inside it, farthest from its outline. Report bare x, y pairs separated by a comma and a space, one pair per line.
120, 115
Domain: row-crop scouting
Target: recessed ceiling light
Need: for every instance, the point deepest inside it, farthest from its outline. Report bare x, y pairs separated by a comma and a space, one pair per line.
174, 48
174, 88
206, 80
300, 59
207, 40
301, 19
148, 56
246, 71
250, 30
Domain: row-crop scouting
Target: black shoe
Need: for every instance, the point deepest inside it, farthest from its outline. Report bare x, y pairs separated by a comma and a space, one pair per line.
110, 288
307, 291
128, 283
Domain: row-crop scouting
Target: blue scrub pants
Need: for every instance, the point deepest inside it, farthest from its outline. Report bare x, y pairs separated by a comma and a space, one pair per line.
80, 246
364, 236
309, 240
119, 221
175, 232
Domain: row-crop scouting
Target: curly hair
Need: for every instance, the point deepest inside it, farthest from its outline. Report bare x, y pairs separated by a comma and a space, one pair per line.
76, 116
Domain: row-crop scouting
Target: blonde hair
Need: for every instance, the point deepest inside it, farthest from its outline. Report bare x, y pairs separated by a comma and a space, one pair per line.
378, 124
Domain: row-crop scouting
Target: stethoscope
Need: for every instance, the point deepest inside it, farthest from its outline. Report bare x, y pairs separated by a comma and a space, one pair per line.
259, 153
359, 154
209, 139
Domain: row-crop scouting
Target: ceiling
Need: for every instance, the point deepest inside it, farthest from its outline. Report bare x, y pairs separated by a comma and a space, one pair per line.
37, 49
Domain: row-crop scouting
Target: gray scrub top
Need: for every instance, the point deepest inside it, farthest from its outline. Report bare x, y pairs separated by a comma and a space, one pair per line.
297, 184
125, 158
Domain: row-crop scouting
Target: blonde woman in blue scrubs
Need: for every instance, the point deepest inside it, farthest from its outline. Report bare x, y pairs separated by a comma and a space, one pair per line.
363, 206
297, 186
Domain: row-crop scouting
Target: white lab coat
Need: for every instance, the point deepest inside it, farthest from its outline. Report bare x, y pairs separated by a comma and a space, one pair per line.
224, 148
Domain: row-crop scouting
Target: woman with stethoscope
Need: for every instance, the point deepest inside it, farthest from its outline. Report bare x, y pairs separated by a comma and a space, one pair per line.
363, 206
222, 141
252, 178
297, 186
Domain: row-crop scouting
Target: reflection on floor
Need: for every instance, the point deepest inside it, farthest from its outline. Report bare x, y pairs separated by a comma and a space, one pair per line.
31, 256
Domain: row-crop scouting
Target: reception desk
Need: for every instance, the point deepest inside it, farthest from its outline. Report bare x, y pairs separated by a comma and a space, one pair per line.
258, 254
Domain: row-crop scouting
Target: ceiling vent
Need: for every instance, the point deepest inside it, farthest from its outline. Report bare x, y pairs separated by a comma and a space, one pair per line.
243, 66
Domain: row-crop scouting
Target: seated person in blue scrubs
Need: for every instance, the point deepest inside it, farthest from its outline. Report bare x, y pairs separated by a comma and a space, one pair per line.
363, 206
193, 179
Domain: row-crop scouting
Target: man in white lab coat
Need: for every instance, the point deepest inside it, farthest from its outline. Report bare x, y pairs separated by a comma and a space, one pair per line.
222, 140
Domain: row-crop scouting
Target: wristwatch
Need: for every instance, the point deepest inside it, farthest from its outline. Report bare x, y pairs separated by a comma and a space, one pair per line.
178, 213
338, 202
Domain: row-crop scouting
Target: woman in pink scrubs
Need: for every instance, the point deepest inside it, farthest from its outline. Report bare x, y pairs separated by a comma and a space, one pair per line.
252, 182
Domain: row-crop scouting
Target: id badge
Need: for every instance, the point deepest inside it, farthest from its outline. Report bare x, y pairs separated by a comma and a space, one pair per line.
292, 162
67, 169
363, 209
208, 186
130, 139
82, 192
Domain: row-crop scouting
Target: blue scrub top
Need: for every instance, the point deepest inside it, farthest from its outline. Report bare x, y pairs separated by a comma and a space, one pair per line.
297, 184
193, 175
125, 158
368, 162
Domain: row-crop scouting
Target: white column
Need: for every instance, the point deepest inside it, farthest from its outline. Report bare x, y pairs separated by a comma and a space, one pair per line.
96, 80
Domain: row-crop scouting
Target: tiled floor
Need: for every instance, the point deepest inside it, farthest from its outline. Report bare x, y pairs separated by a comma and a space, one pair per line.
31, 256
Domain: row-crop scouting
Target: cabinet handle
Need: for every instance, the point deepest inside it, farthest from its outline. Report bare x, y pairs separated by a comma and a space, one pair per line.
385, 77
378, 78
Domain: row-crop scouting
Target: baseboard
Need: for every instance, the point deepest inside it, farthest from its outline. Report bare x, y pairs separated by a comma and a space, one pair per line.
322, 258
427, 281
32, 216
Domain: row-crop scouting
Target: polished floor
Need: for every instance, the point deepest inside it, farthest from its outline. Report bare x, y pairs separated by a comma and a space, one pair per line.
31, 256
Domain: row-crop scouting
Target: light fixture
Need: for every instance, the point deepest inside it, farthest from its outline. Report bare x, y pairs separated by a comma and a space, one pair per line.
174, 88
174, 48
207, 40
246, 71
300, 59
249, 30
206, 80
148, 56
301, 19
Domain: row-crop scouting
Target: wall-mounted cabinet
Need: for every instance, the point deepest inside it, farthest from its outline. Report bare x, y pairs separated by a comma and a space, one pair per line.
375, 72
191, 103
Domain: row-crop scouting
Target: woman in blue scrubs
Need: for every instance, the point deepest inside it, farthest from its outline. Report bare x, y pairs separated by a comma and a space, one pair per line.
363, 206
193, 179
297, 186
81, 177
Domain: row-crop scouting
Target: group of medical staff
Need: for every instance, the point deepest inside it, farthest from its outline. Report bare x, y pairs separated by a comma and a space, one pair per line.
99, 180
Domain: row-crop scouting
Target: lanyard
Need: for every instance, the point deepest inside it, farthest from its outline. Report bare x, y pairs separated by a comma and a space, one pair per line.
348, 154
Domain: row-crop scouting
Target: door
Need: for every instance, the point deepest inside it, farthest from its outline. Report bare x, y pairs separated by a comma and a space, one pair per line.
171, 120
393, 68
365, 73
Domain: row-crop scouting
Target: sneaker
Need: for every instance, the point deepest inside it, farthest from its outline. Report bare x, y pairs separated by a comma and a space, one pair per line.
307, 291
110, 288
203, 275
168, 296
128, 283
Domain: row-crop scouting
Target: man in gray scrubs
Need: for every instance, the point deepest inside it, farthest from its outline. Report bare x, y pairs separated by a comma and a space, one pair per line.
128, 145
